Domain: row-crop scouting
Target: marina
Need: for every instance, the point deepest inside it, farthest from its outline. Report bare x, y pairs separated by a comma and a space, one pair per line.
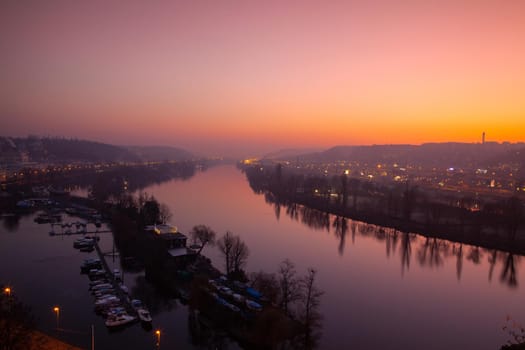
379, 285
112, 300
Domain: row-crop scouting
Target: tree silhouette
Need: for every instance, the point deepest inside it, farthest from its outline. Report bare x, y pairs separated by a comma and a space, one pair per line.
514, 216
225, 244
409, 201
309, 313
267, 284
16, 322
235, 253
150, 211
164, 213
202, 235
289, 287
239, 255
354, 190
344, 191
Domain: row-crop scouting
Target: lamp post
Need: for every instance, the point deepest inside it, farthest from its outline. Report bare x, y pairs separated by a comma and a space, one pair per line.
92, 337
56, 309
7, 291
157, 333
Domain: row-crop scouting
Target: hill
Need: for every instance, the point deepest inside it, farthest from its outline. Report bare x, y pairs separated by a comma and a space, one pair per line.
63, 150
450, 154
160, 153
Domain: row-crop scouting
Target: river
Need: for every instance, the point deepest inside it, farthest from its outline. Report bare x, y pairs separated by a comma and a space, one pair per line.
383, 289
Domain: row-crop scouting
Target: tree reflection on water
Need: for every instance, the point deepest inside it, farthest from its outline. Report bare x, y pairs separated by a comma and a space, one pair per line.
431, 252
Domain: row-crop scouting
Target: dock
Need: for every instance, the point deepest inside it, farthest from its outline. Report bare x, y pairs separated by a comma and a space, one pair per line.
53, 233
80, 229
124, 298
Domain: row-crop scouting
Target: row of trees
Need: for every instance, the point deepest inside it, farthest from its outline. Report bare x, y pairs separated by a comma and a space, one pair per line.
233, 249
298, 297
401, 205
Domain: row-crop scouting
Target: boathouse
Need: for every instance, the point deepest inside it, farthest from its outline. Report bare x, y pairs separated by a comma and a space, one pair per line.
172, 242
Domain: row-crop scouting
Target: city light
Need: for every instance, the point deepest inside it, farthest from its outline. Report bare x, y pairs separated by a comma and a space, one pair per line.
56, 309
157, 333
7, 291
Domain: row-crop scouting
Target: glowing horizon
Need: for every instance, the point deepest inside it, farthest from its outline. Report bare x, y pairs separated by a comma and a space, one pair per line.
221, 77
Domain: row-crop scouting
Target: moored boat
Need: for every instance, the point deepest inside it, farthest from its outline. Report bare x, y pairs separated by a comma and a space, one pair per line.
252, 305
144, 315
119, 320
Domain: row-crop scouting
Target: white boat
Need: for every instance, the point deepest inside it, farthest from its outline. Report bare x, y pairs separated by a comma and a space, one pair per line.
107, 301
144, 315
119, 320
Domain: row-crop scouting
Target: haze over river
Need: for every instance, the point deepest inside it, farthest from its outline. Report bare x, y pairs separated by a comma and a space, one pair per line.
383, 289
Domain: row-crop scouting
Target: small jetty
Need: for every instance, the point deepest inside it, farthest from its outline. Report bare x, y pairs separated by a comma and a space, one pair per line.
112, 299
115, 281
74, 228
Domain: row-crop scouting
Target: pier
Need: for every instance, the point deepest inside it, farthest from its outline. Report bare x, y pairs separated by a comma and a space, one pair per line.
124, 298
53, 233
80, 229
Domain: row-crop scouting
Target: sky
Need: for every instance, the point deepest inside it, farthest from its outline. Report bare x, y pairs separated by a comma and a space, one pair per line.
255, 76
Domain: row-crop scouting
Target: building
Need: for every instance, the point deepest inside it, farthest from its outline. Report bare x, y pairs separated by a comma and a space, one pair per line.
169, 240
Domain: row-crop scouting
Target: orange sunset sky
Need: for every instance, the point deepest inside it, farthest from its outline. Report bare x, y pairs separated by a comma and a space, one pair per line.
254, 76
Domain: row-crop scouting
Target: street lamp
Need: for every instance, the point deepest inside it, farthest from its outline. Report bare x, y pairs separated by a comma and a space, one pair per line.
157, 333
7, 291
56, 309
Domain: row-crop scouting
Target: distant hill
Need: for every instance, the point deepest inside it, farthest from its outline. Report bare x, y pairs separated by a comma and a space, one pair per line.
429, 154
160, 153
59, 150
80, 150
288, 153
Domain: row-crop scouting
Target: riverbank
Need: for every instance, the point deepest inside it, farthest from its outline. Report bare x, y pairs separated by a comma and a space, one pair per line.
492, 224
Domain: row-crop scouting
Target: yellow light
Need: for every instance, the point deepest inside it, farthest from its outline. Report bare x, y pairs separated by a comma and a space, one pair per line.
157, 332
7, 291
56, 309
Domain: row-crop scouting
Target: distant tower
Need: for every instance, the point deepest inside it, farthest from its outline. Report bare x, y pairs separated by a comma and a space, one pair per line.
483, 138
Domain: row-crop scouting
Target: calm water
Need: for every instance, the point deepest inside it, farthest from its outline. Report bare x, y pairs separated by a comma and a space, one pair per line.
382, 289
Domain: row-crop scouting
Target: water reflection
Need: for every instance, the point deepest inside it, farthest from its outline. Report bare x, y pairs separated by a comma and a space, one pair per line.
508, 275
150, 296
406, 251
430, 252
11, 222
458, 251
341, 228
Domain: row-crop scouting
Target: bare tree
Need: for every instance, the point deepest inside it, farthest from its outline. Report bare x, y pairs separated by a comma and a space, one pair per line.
235, 252
203, 235
289, 287
309, 313
240, 254
354, 189
266, 283
409, 200
164, 213
225, 244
